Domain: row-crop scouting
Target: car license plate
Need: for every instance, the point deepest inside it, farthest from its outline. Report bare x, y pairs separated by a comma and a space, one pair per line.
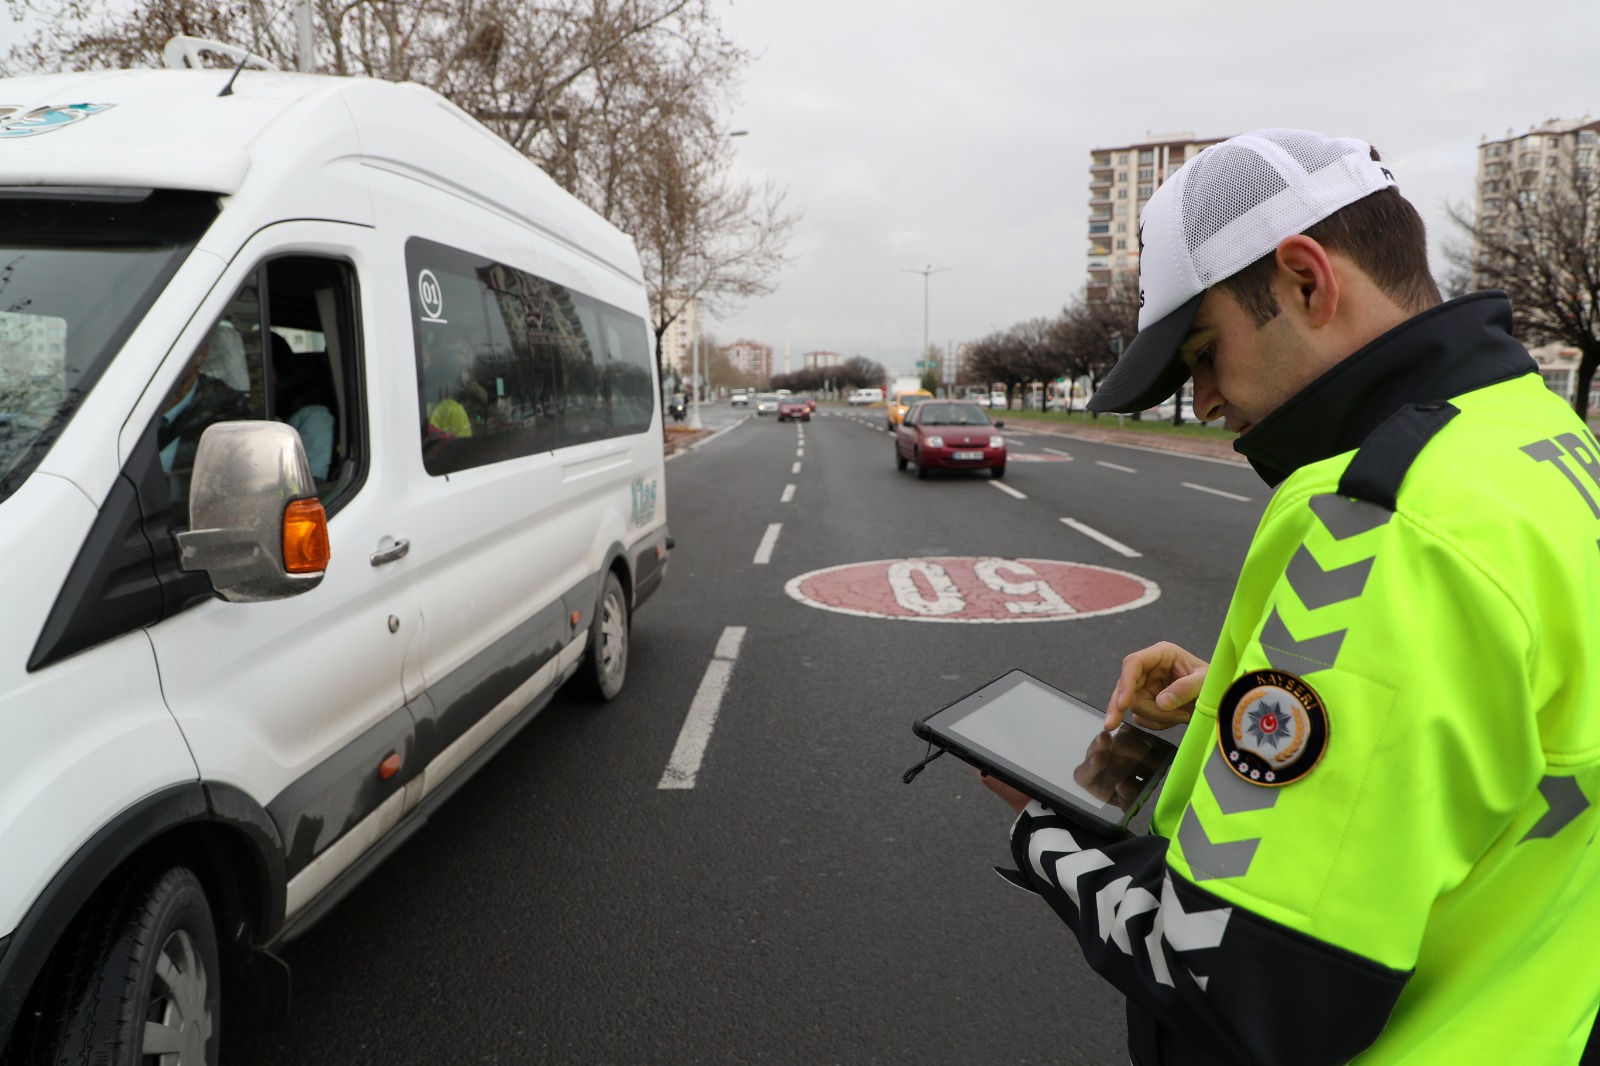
967, 455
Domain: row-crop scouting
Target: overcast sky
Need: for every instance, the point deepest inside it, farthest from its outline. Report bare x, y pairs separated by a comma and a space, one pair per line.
916, 133
958, 135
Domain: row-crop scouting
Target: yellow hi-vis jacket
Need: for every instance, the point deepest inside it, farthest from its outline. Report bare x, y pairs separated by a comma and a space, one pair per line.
1376, 844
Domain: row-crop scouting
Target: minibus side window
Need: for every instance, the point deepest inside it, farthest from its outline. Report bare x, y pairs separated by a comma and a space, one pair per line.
510, 364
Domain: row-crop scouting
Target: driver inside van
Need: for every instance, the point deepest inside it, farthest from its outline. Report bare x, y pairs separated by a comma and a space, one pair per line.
214, 388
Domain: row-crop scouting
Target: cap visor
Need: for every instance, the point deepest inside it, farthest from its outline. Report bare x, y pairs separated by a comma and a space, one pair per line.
1150, 370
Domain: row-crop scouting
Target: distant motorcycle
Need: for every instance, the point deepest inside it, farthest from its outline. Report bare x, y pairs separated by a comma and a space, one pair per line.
677, 409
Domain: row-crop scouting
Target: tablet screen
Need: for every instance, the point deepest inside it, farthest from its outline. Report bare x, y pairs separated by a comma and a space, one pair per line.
1060, 741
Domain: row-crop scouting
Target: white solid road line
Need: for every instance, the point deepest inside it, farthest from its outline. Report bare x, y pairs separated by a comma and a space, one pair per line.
1008, 490
690, 751
1053, 451
796, 469
1094, 534
788, 494
1114, 466
768, 542
1215, 492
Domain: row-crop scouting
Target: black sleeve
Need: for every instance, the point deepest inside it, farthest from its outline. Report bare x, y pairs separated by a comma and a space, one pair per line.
1224, 984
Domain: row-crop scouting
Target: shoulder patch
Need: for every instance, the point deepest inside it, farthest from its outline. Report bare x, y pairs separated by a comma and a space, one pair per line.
1272, 728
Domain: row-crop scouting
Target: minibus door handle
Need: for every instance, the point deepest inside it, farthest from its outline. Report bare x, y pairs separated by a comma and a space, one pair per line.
389, 550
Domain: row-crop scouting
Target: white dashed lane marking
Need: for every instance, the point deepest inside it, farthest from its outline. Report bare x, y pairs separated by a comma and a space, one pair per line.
1064, 455
768, 542
690, 751
1215, 492
1094, 534
1008, 490
1114, 466
788, 494
795, 469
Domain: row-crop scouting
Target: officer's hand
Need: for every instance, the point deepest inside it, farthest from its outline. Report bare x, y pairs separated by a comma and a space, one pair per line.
1004, 791
1158, 685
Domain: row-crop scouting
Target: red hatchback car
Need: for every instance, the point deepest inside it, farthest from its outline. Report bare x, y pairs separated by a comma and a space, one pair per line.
943, 435
794, 407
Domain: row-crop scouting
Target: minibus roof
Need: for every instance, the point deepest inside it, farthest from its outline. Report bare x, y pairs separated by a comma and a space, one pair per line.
169, 129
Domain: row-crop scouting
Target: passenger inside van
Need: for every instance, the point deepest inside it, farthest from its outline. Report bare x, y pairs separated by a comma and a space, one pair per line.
303, 396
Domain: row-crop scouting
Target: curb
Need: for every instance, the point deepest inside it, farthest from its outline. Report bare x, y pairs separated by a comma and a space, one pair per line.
687, 448
1211, 451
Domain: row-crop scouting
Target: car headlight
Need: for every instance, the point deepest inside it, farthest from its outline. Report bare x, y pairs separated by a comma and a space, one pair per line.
997, 441
935, 442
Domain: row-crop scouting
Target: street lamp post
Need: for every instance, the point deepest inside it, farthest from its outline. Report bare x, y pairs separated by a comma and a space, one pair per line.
926, 272
694, 370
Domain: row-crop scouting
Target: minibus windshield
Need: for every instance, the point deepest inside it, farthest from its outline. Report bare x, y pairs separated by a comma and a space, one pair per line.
78, 270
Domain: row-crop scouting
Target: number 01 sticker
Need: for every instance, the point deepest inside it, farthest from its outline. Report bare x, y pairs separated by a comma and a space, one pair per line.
971, 589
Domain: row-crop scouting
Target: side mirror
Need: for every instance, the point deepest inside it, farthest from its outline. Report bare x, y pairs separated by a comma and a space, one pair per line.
255, 525
999, 425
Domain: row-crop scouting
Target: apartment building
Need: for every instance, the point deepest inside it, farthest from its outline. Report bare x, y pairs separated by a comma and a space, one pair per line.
677, 343
1121, 179
820, 360
1527, 163
750, 357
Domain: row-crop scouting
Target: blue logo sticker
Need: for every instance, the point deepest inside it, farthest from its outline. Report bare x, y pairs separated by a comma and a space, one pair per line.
44, 119
644, 501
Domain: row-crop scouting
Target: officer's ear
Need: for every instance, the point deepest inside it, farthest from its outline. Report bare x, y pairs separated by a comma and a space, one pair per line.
1306, 280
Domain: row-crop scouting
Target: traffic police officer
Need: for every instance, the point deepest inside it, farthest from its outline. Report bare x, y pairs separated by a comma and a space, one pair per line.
1376, 844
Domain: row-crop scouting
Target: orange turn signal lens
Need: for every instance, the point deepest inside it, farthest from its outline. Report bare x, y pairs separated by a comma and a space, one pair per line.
305, 537
389, 766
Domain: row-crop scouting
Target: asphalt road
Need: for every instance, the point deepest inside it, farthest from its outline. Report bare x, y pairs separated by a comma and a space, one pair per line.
798, 903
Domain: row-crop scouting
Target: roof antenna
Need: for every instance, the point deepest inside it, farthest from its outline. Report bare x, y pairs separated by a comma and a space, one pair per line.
227, 90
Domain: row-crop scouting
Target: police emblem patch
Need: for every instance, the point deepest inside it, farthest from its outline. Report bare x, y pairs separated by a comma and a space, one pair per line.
1272, 728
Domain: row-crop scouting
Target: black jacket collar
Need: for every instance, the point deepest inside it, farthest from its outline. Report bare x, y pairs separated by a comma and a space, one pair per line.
1445, 351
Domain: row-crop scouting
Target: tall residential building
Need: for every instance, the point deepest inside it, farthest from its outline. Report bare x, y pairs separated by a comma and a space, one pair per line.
677, 343
1531, 161
1120, 181
750, 357
820, 360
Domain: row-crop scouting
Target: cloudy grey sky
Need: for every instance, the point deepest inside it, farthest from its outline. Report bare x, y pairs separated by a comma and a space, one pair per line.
958, 134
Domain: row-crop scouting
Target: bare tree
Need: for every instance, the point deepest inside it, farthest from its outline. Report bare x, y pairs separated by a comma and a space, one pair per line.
620, 101
1543, 248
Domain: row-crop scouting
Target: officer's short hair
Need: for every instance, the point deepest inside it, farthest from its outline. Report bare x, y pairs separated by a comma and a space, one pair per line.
1381, 233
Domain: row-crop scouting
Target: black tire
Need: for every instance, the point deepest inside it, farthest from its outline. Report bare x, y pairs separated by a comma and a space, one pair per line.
135, 976
605, 665
922, 471
997, 472
899, 460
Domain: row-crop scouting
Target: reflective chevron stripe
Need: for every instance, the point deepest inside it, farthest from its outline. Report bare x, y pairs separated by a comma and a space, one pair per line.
1566, 801
1345, 517
1284, 652
1110, 908
1233, 795
1317, 587
1207, 859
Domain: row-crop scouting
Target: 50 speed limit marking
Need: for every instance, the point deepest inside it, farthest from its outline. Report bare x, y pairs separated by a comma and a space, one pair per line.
972, 589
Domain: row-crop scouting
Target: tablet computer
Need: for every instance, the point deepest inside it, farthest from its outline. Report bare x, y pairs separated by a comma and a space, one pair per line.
1054, 748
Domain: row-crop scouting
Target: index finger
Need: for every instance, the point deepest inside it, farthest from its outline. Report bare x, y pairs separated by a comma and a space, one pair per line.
1128, 681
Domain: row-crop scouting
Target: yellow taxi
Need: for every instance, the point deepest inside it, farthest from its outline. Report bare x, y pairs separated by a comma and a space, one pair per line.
899, 401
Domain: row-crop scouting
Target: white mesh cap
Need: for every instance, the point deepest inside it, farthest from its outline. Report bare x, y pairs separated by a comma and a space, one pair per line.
1221, 211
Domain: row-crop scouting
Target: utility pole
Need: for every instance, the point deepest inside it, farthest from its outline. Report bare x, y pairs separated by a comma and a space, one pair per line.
305, 33
926, 273
694, 369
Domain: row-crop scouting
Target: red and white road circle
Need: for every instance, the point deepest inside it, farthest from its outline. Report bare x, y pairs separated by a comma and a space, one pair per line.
973, 589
